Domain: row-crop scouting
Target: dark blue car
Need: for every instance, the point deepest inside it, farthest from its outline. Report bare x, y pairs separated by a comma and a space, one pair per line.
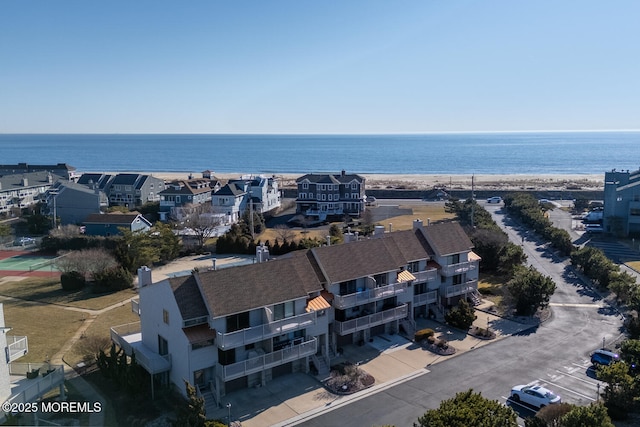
604, 357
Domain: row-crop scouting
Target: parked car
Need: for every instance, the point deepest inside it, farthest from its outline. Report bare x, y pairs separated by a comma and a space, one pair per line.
494, 199
536, 396
24, 241
604, 357
594, 228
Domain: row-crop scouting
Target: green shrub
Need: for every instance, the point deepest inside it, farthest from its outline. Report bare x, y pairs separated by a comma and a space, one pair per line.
113, 278
72, 281
423, 334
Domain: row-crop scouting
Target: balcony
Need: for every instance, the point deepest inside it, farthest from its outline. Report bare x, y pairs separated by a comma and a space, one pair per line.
368, 295
462, 288
426, 298
267, 330
459, 268
266, 361
29, 390
366, 322
17, 347
426, 276
129, 338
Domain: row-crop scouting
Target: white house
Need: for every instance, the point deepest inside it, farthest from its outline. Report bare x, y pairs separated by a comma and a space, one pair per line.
239, 327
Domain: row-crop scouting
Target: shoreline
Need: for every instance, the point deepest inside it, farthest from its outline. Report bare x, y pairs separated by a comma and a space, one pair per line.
504, 182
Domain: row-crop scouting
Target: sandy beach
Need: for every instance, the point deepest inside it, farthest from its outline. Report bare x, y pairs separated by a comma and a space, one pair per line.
422, 182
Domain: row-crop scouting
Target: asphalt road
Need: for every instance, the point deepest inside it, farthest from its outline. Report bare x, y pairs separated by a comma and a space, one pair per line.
554, 354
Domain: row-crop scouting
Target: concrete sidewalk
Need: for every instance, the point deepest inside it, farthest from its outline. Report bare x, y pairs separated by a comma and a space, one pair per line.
391, 360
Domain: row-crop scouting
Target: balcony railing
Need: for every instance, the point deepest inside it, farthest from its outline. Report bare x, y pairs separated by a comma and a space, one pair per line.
365, 322
321, 212
129, 338
462, 288
267, 330
426, 276
426, 298
459, 268
368, 295
18, 347
41, 384
265, 361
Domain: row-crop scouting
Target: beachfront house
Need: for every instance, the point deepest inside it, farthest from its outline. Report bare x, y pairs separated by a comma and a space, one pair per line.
230, 329
133, 190
330, 195
111, 224
59, 170
261, 192
621, 213
179, 197
22, 190
229, 202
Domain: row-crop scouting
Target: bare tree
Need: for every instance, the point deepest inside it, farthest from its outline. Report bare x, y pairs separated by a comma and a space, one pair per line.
284, 233
86, 262
68, 230
202, 221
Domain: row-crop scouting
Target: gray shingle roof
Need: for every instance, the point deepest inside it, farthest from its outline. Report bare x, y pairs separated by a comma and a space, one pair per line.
112, 218
330, 178
447, 238
188, 297
239, 289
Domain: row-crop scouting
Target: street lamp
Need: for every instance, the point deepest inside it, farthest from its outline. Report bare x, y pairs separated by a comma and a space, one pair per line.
603, 343
229, 414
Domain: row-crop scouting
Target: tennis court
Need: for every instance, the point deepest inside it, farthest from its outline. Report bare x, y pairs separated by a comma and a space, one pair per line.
26, 264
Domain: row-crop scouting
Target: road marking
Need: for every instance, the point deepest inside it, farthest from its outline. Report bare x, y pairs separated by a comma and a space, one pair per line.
571, 391
581, 379
562, 304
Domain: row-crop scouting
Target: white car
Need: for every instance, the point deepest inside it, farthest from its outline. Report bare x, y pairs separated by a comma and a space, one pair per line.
536, 396
494, 199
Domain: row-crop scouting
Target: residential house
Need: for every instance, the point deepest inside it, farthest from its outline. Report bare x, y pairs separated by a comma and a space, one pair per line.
324, 195
229, 202
621, 213
262, 192
61, 170
133, 190
23, 190
239, 327
70, 202
177, 199
22, 383
99, 181
110, 224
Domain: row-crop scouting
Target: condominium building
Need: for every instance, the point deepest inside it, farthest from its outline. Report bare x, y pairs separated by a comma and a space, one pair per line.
229, 329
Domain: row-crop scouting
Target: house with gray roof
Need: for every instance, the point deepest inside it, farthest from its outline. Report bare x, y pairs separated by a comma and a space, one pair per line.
110, 224
262, 192
179, 196
19, 191
70, 202
621, 213
61, 170
133, 190
239, 327
325, 195
230, 202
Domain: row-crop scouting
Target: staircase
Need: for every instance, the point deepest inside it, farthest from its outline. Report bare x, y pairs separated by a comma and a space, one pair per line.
321, 366
210, 404
409, 327
475, 298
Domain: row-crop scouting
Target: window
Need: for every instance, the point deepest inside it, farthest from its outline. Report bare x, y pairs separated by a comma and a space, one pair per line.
305, 185
163, 346
381, 279
303, 195
413, 267
457, 279
354, 195
283, 310
237, 322
348, 287
165, 316
311, 195
454, 259
354, 185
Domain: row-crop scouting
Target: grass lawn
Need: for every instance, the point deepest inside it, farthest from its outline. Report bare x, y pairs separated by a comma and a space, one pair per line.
492, 288
634, 264
50, 291
47, 327
101, 327
432, 212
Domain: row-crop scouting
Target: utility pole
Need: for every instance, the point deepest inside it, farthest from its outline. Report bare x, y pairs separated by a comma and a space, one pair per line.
473, 201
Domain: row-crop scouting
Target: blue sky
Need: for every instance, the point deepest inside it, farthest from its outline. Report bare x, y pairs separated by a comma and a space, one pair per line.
318, 66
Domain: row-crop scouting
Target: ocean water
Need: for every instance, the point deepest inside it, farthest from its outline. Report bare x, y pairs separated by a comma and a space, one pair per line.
446, 153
